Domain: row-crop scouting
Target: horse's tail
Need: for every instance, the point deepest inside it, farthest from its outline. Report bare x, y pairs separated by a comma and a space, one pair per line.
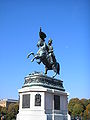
58, 68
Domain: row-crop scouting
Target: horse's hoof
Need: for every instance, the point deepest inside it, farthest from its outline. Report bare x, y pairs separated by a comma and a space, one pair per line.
32, 60
27, 56
45, 74
38, 62
31, 53
53, 76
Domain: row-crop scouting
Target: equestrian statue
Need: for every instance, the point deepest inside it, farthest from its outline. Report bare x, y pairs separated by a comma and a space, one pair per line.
45, 54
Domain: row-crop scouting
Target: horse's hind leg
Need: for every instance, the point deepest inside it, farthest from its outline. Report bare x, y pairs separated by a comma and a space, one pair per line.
54, 75
45, 70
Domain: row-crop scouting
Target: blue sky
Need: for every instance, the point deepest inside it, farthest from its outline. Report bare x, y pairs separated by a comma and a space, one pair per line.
65, 21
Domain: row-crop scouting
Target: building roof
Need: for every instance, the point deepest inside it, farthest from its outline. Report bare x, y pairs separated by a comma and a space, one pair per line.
9, 100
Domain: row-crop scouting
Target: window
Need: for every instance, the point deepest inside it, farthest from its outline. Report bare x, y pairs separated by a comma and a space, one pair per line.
26, 101
56, 102
37, 100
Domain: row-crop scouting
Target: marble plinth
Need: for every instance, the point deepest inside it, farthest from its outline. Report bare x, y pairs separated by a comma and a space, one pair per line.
42, 98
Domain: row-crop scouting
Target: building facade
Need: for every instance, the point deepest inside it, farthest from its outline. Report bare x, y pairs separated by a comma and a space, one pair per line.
7, 102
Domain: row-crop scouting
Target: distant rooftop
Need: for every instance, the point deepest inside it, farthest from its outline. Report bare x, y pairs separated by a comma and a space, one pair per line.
9, 100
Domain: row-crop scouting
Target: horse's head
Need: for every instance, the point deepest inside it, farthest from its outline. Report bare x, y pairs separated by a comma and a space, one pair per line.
40, 43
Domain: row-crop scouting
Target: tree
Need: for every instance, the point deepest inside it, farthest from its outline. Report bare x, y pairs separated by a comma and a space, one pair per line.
3, 111
0, 108
84, 102
12, 111
80, 108
88, 101
71, 104
88, 111
16, 108
77, 110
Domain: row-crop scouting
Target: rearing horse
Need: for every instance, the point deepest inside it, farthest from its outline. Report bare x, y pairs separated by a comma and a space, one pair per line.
43, 56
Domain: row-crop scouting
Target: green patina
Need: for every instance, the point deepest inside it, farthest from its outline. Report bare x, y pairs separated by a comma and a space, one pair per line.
38, 79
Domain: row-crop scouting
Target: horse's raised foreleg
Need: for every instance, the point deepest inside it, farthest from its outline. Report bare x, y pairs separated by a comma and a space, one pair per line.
35, 57
32, 59
30, 54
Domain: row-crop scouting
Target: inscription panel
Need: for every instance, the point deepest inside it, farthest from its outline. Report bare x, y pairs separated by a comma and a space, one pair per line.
56, 102
37, 100
26, 101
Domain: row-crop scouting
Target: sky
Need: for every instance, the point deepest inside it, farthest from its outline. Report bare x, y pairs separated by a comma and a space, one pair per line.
66, 22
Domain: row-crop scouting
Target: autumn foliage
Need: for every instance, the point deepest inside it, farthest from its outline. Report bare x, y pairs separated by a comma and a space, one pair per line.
10, 112
79, 108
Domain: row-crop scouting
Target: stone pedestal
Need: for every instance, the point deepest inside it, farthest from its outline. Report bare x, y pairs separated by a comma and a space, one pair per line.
42, 98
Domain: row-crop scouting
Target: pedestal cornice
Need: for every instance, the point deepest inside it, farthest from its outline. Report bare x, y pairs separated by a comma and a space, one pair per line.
38, 79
